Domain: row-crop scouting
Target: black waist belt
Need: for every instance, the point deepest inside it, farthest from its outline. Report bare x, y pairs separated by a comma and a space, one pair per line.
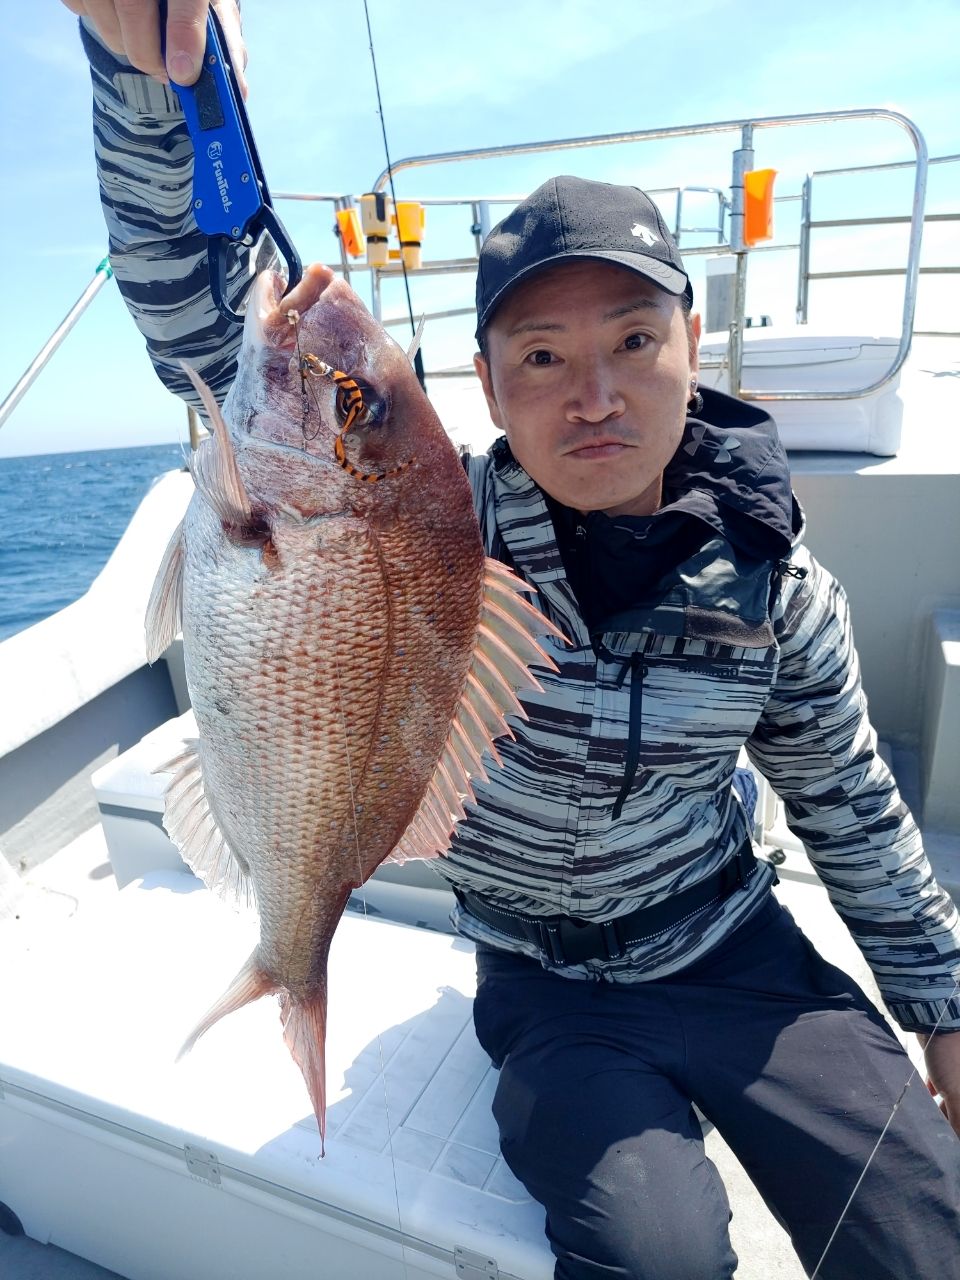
567, 940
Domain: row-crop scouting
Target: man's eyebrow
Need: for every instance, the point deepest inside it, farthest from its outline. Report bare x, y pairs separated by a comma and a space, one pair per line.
549, 326
641, 304
539, 326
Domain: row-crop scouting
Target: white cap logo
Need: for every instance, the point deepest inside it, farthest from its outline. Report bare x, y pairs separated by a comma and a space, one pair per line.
644, 234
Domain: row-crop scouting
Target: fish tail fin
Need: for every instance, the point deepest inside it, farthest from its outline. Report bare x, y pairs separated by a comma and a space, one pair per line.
250, 984
305, 1033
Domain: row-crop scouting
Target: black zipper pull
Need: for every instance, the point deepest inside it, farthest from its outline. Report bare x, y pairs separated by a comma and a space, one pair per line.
782, 569
787, 569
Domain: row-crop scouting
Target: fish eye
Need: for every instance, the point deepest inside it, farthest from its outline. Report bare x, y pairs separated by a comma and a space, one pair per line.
359, 399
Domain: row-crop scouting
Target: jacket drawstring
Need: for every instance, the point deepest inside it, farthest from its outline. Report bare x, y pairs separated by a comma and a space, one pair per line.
638, 669
782, 569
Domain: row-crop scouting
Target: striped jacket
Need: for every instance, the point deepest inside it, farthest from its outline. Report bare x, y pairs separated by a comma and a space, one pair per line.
587, 818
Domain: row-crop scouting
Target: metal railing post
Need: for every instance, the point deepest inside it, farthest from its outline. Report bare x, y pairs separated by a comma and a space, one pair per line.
742, 163
100, 277
480, 228
803, 266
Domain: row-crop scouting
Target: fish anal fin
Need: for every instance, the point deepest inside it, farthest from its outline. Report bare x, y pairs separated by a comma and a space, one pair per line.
504, 648
165, 606
194, 830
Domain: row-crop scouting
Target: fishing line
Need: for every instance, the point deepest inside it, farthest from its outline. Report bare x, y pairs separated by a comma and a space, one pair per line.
418, 358
883, 1133
418, 366
293, 318
363, 898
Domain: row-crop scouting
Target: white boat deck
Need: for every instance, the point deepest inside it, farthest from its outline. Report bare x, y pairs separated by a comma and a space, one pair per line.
440, 1128
434, 1135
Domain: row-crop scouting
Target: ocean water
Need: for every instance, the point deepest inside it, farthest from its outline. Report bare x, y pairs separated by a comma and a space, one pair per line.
63, 513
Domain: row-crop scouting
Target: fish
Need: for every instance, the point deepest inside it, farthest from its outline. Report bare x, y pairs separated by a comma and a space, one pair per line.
351, 653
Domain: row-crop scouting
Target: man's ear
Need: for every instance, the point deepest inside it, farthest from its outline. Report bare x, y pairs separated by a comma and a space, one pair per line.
694, 336
482, 366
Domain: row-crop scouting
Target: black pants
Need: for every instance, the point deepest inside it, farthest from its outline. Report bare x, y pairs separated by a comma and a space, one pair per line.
780, 1050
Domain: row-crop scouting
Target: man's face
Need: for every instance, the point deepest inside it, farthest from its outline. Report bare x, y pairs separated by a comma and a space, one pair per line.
588, 374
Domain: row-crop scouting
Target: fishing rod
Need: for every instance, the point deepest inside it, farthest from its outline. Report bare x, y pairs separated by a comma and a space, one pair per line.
418, 357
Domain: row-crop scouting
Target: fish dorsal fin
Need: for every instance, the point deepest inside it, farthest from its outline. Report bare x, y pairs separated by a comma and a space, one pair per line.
165, 606
193, 829
503, 651
214, 464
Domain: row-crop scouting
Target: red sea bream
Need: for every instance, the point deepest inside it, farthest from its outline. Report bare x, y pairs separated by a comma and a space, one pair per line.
350, 652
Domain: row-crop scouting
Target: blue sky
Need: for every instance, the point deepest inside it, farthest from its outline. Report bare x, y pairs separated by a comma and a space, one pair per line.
457, 76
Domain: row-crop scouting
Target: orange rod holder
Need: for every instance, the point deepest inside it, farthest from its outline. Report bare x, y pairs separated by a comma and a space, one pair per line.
351, 232
758, 206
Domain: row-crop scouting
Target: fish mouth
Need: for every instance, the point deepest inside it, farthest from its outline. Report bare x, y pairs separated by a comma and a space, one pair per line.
294, 325
274, 404
271, 313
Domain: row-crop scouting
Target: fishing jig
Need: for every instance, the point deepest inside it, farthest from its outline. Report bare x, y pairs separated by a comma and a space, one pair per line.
353, 410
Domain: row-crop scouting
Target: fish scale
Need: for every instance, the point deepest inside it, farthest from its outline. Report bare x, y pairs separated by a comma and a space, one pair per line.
350, 653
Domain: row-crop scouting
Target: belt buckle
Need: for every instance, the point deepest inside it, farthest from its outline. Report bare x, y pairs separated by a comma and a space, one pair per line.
567, 941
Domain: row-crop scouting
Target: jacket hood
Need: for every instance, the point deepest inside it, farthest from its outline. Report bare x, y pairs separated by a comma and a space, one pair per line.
731, 471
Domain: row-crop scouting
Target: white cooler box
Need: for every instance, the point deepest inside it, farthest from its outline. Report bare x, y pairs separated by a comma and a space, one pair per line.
130, 798
799, 360
210, 1169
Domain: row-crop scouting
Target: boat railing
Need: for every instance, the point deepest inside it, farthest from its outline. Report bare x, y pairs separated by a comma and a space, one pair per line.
808, 224
725, 228
23, 383
742, 163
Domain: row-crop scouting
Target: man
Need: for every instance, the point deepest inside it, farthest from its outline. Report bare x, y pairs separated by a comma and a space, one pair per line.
632, 959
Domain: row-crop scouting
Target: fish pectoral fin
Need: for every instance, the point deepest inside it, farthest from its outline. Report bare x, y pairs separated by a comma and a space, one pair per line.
193, 829
164, 616
504, 649
214, 464
250, 984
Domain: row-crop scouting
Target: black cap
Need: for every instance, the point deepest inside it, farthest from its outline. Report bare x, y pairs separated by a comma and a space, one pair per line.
575, 218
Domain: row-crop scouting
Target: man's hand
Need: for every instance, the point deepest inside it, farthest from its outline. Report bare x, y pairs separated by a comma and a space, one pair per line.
942, 1055
132, 28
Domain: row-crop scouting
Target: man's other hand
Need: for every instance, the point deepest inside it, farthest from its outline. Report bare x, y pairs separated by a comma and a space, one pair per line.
942, 1055
132, 28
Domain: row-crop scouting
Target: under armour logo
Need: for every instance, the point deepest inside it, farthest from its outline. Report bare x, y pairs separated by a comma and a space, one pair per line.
643, 233
724, 450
